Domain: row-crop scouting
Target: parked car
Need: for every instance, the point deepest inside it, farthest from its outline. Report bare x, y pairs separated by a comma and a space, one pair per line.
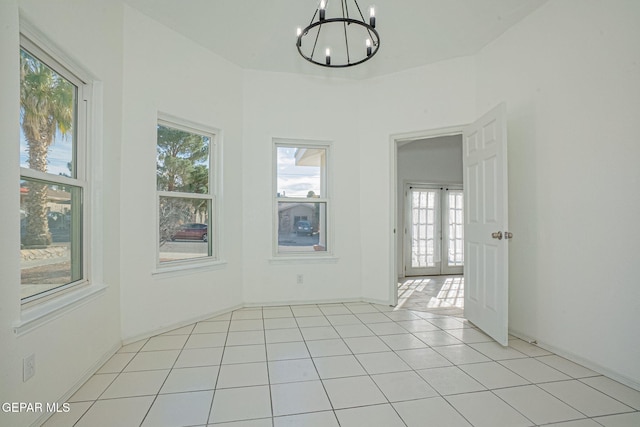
191, 231
303, 227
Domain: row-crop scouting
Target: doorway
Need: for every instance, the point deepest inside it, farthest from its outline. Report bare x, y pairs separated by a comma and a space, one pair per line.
434, 158
484, 163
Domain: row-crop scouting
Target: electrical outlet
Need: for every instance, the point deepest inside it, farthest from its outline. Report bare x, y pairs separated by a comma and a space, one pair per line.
28, 367
300, 279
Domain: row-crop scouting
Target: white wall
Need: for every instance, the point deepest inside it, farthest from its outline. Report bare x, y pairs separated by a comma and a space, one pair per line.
165, 72
432, 97
71, 346
435, 161
570, 75
308, 108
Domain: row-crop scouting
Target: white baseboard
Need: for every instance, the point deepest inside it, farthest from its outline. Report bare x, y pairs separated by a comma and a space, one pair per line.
629, 382
300, 302
83, 379
177, 325
377, 301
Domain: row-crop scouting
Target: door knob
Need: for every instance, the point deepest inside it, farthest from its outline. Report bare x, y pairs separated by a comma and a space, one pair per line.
497, 235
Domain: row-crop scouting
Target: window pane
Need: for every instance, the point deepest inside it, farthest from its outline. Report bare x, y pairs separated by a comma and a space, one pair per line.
456, 235
47, 118
182, 161
184, 228
423, 217
300, 172
50, 236
302, 227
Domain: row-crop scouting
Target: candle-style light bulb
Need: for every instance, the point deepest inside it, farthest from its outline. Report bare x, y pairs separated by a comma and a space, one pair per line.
368, 43
372, 16
328, 56
323, 6
298, 33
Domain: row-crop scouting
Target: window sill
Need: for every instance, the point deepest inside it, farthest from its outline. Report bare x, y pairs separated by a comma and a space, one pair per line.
182, 269
324, 259
33, 317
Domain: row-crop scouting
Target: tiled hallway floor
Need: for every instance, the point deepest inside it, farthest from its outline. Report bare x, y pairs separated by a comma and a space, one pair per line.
349, 365
433, 294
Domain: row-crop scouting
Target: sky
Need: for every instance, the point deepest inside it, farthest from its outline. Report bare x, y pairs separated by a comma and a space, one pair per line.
60, 153
296, 181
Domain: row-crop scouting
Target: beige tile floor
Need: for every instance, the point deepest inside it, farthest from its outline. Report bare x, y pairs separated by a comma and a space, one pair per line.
352, 364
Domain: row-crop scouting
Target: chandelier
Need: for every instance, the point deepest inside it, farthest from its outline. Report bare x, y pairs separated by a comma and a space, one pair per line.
343, 41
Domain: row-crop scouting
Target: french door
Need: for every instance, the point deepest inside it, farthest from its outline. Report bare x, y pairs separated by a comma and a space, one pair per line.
434, 230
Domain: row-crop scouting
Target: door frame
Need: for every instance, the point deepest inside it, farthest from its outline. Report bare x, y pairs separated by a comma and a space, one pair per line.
396, 141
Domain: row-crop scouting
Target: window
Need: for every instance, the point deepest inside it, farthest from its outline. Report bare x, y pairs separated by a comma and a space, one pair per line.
53, 181
301, 198
186, 191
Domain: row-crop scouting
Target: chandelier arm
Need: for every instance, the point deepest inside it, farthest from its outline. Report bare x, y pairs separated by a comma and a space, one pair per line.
359, 11
344, 25
346, 41
362, 16
314, 16
315, 43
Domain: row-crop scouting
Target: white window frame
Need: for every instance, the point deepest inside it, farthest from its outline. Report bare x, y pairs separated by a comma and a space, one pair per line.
58, 62
215, 164
325, 193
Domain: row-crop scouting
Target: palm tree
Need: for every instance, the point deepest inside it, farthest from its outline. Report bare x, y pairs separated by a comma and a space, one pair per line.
46, 106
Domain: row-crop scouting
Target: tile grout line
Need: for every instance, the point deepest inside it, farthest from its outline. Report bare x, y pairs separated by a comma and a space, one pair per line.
395, 320
215, 385
165, 379
94, 401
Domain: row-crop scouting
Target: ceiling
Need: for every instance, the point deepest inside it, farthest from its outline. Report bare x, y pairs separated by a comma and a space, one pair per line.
260, 34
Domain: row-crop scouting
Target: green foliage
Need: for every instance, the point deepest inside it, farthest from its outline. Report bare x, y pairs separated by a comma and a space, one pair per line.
182, 161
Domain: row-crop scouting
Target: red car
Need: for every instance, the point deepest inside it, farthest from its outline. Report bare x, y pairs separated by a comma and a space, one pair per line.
192, 231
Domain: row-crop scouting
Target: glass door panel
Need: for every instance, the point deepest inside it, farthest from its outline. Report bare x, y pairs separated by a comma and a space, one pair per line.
434, 230
423, 231
454, 232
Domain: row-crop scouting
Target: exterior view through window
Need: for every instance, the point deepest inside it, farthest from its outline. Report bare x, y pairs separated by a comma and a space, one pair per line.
185, 199
52, 180
301, 199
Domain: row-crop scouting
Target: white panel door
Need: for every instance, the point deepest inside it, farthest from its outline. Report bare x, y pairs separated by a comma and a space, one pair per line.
486, 224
